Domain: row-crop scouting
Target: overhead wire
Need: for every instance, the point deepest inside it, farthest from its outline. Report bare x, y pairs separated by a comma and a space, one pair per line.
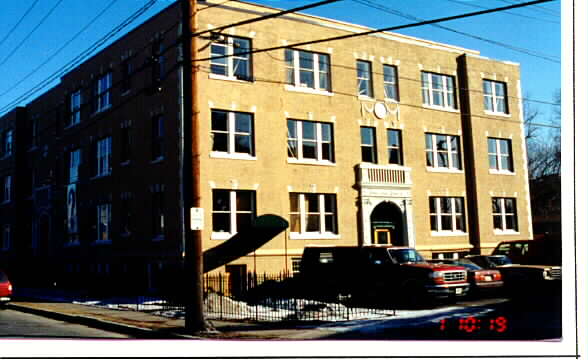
386, 29
467, 3
537, 8
52, 56
31, 32
477, 37
26, 13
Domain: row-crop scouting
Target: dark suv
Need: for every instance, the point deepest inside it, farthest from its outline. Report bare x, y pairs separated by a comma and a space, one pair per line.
382, 272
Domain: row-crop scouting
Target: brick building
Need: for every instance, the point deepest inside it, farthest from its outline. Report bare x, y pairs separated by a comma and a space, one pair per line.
379, 139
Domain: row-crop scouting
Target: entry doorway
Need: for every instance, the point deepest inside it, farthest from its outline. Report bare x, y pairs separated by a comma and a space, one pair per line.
387, 224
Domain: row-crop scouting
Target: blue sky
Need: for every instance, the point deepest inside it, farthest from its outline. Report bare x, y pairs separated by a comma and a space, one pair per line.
43, 41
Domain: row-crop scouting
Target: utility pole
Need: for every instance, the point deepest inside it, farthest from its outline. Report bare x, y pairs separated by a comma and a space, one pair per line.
193, 267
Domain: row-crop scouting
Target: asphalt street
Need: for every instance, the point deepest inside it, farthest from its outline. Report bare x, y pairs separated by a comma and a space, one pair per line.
15, 324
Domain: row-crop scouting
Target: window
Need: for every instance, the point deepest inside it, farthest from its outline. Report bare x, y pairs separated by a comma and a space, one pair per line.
103, 87
75, 103
308, 70
296, 261
35, 131
157, 212
237, 61
103, 221
394, 147
232, 210
504, 215
447, 214
310, 140
364, 78
7, 143
75, 157
391, 82
232, 132
438, 90
495, 97
6, 238
500, 155
126, 69
157, 62
157, 137
103, 156
368, 145
313, 214
6, 189
125, 143
443, 151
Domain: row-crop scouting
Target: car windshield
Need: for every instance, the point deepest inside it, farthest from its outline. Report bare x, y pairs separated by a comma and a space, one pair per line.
500, 260
468, 265
402, 256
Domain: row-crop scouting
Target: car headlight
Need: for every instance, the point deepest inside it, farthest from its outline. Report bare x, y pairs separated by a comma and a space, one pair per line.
547, 274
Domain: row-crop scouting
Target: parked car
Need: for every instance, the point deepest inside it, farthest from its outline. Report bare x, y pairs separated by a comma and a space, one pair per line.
391, 274
536, 265
5, 288
480, 279
489, 261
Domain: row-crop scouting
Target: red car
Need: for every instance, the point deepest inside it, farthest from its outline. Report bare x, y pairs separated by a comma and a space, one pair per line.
5, 288
480, 279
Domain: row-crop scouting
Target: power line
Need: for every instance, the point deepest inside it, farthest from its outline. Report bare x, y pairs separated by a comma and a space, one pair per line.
494, 42
31, 32
466, 3
536, 8
64, 69
60, 49
19, 22
370, 32
266, 17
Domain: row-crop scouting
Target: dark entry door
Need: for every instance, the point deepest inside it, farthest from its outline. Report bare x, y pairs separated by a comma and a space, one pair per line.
387, 223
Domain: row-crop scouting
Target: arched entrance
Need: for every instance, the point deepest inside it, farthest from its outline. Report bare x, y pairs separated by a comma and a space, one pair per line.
387, 225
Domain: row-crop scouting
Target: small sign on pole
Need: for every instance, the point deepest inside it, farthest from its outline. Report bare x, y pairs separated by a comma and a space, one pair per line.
197, 218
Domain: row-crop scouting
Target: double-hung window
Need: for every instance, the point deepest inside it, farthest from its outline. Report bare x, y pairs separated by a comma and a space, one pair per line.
75, 103
6, 189
447, 214
126, 142
368, 145
232, 133
308, 70
6, 143
364, 78
103, 156
103, 221
157, 212
75, 158
230, 58
394, 147
232, 211
495, 97
438, 90
310, 141
391, 82
103, 92
443, 151
504, 215
500, 155
313, 215
157, 137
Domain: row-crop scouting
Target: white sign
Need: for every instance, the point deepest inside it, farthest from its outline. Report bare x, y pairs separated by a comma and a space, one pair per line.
197, 218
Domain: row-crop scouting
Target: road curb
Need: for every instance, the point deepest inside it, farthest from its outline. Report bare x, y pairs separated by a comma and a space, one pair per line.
135, 331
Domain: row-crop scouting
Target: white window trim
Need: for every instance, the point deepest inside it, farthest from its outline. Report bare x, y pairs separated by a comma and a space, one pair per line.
300, 159
436, 167
4, 152
230, 60
78, 159
369, 80
100, 92
308, 90
395, 83
444, 90
504, 230
99, 155
75, 108
7, 189
315, 73
231, 133
224, 235
453, 217
322, 233
499, 155
494, 99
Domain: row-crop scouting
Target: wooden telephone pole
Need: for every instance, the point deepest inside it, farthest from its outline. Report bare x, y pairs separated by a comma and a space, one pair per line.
193, 267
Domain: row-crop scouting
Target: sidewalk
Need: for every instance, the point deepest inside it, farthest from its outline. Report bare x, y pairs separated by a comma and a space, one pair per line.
148, 326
